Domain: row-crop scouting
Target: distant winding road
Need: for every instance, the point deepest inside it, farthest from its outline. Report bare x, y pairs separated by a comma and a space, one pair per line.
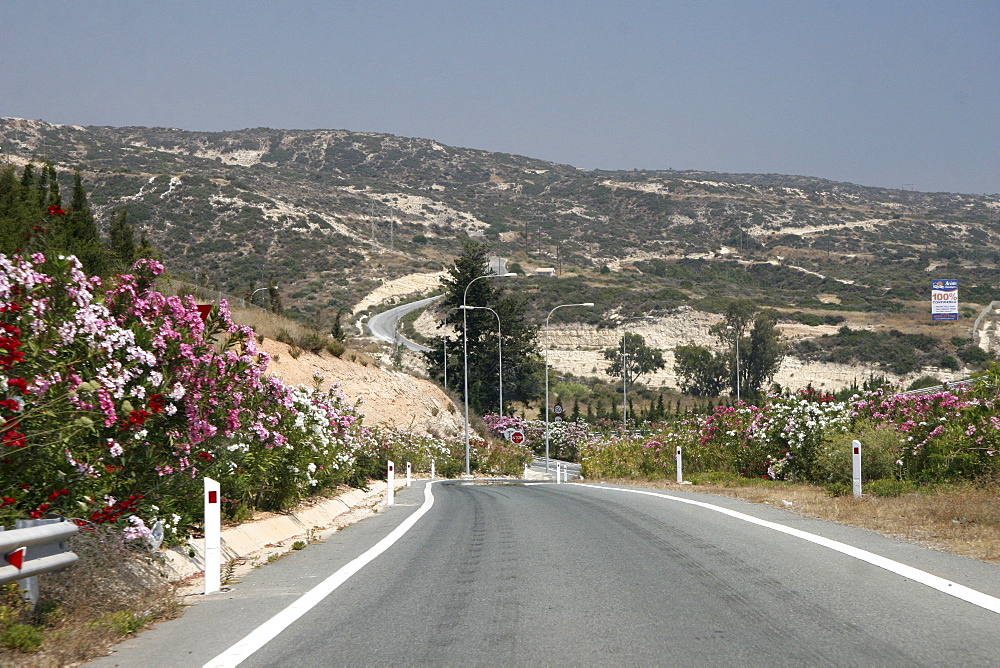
383, 325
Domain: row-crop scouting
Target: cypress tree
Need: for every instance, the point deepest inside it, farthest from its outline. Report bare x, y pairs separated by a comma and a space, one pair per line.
146, 250
121, 241
16, 216
52, 196
77, 233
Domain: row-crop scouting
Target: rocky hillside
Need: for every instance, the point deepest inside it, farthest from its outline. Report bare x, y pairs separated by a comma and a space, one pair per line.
329, 214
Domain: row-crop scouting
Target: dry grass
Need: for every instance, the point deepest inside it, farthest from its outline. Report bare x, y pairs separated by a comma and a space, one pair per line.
268, 324
960, 520
128, 584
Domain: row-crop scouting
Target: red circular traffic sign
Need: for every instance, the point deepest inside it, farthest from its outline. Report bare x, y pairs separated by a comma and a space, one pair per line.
517, 437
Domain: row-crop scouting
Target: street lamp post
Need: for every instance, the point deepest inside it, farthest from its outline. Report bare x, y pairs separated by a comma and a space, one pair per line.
588, 304
465, 360
250, 298
499, 346
736, 338
625, 372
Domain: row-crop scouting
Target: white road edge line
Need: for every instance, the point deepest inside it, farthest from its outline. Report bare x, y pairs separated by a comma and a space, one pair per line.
267, 631
962, 592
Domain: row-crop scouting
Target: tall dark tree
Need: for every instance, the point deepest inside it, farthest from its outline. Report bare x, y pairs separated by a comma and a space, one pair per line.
76, 232
121, 241
17, 214
275, 297
337, 329
522, 366
146, 250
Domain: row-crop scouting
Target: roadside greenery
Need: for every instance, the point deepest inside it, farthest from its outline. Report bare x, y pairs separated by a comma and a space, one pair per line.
116, 400
806, 437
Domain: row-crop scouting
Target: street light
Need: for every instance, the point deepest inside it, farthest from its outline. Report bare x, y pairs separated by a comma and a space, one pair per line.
736, 338
250, 298
547, 377
625, 373
499, 346
465, 359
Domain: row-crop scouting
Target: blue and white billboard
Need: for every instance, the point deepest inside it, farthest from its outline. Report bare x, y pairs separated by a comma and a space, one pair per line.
944, 299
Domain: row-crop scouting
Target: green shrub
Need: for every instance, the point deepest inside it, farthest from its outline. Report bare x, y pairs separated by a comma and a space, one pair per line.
122, 623
879, 452
335, 348
283, 336
312, 341
21, 637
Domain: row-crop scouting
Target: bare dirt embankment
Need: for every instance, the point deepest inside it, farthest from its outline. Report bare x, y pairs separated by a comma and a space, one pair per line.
386, 396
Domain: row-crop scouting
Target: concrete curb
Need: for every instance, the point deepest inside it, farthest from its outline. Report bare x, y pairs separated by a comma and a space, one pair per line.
253, 538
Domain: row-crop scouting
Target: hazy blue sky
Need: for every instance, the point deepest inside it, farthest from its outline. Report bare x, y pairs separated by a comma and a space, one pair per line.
877, 93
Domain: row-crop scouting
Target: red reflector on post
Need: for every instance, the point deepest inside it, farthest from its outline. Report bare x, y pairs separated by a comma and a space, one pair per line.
857, 451
213, 496
16, 558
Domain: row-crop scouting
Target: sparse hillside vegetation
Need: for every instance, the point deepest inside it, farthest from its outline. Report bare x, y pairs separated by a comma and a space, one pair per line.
330, 213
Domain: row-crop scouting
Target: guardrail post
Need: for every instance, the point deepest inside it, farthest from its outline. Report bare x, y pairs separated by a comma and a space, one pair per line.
29, 586
213, 536
856, 473
391, 489
34, 547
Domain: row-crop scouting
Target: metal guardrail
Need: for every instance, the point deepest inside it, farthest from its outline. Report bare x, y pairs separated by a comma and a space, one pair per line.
957, 385
35, 547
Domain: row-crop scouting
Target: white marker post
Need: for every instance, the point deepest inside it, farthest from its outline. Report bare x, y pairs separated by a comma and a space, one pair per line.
432, 469
409, 474
856, 445
213, 537
680, 466
391, 488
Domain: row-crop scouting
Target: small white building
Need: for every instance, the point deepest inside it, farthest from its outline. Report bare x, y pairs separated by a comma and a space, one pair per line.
545, 271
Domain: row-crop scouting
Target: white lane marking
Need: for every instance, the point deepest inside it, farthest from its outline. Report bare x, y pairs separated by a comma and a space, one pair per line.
962, 592
264, 633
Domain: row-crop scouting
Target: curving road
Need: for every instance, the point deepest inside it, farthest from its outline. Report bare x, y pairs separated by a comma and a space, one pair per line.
383, 325
578, 574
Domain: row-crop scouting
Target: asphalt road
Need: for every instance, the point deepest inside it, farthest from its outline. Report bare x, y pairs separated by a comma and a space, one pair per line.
383, 325
545, 574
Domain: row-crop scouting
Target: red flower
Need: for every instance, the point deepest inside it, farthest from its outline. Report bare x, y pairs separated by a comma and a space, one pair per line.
204, 455
14, 438
156, 403
134, 418
56, 211
8, 501
20, 383
10, 404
